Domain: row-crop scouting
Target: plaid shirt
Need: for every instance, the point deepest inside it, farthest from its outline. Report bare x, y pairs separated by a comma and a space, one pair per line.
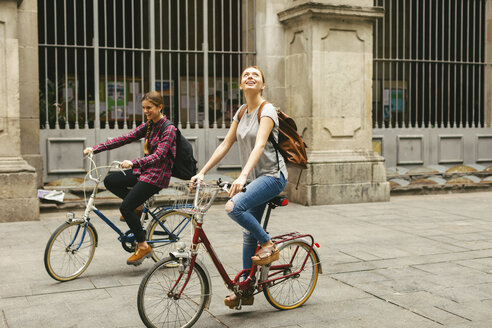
156, 167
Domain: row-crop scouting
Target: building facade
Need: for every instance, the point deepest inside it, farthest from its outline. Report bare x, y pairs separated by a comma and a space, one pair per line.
409, 80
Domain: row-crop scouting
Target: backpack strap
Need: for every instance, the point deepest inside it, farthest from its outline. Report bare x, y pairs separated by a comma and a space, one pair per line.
270, 137
167, 124
241, 113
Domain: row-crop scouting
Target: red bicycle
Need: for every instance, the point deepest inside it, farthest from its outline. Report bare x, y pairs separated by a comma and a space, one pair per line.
176, 290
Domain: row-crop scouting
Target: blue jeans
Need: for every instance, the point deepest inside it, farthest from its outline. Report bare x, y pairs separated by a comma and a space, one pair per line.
248, 211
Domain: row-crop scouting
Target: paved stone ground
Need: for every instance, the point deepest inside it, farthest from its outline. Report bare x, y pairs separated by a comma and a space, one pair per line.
416, 261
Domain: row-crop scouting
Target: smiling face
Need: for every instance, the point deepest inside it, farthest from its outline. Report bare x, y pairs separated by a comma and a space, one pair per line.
252, 80
151, 111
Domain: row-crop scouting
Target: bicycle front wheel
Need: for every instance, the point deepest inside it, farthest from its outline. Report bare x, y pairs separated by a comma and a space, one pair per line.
290, 292
161, 300
70, 250
170, 227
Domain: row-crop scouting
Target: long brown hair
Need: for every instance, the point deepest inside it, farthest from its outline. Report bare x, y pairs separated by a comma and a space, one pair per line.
156, 99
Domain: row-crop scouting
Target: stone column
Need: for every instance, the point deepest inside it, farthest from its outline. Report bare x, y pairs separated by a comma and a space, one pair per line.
18, 179
327, 88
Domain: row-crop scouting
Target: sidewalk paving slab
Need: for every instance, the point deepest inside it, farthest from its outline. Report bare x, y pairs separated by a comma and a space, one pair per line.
416, 261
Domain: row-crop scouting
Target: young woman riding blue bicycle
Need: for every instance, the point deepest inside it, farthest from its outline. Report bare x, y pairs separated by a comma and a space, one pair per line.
146, 175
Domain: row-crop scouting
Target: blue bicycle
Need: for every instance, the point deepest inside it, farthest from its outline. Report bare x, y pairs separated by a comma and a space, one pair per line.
71, 247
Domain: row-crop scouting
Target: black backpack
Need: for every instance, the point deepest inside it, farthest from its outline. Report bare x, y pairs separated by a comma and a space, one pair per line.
184, 163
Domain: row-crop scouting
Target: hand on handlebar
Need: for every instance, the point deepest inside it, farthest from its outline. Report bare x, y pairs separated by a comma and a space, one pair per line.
237, 186
126, 164
88, 151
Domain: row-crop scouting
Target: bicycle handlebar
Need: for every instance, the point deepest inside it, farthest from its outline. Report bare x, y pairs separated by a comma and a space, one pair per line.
225, 185
92, 167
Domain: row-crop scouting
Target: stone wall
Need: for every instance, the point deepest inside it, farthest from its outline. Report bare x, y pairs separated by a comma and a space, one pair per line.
18, 179
317, 58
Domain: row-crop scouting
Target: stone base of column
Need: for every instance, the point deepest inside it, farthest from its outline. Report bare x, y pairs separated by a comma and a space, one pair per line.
18, 196
338, 177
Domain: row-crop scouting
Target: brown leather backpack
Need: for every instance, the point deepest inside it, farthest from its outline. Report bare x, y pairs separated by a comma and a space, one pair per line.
290, 143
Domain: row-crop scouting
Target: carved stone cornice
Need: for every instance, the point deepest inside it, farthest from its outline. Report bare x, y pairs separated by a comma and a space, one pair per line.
311, 9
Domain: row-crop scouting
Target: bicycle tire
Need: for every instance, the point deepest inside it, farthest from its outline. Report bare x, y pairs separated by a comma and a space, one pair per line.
293, 291
177, 223
158, 306
62, 262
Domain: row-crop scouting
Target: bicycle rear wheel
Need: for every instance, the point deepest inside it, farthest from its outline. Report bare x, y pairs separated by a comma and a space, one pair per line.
160, 300
70, 250
293, 291
179, 228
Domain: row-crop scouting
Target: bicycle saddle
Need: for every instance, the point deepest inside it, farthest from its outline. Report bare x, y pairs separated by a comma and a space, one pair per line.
279, 201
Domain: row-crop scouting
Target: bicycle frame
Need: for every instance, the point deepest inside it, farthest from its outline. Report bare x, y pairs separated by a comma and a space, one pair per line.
130, 238
200, 237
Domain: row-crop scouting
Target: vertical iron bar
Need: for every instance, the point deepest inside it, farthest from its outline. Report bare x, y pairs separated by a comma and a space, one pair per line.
152, 45
423, 65
75, 60
455, 59
223, 95
57, 104
179, 63
106, 123
442, 65
375, 123
171, 80
65, 48
95, 43
397, 30
405, 89
449, 69
86, 107
46, 79
384, 69
161, 75
410, 55
115, 89
205, 67
475, 124
247, 32
437, 122
463, 124
481, 60
230, 55
468, 115
239, 29
187, 69
417, 68
429, 73
142, 55
126, 124
215, 67
196, 67
134, 83
391, 124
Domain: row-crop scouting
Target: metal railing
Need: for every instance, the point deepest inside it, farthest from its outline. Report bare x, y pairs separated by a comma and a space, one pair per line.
429, 64
97, 58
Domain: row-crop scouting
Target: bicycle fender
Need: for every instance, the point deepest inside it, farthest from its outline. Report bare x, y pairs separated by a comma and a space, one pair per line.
307, 242
187, 255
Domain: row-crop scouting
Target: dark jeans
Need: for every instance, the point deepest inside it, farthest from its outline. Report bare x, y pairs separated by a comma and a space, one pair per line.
119, 184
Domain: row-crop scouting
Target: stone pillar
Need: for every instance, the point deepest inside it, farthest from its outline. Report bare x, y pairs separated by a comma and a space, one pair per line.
18, 179
29, 85
327, 88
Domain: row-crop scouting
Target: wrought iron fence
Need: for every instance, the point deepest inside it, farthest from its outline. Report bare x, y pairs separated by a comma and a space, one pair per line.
429, 64
97, 58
